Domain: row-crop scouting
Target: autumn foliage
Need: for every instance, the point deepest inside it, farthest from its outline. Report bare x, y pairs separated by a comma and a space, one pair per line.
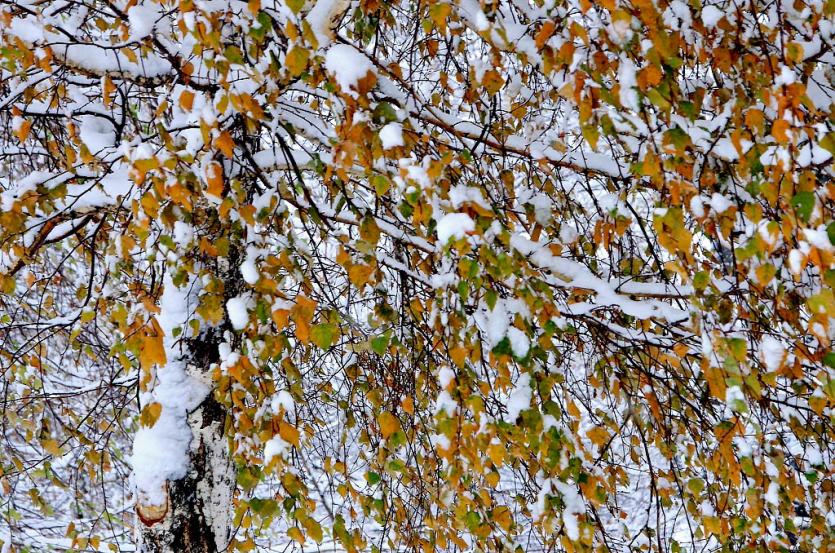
427, 276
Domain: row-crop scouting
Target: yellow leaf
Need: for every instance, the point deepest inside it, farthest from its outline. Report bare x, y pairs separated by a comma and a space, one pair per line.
150, 414
289, 433
492, 81
314, 529
295, 533
598, 435
151, 349
360, 274
297, 59
51, 446
389, 424
503, 517
496, 453
458, 355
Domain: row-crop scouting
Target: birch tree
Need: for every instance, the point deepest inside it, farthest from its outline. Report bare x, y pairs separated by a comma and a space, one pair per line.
426, 276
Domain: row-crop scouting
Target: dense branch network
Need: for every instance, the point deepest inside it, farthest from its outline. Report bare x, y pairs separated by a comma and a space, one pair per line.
437, 275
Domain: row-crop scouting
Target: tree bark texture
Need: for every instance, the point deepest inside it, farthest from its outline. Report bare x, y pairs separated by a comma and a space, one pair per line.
197, 516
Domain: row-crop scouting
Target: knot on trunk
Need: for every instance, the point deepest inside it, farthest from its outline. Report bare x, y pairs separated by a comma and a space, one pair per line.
150, 513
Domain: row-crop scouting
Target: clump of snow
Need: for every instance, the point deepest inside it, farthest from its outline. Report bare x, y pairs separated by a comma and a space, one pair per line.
348, 65
183, 233
697, 206
520, 398
391, 136
495, 323
819, 238
275, 447
97, 133
772, 496
456, 225
250, 271
142, 18
445, 404
568, 233
627, 79
796, 261
785, 77
160, 452
574, 506
284, 400
735, 398
322, 18
772, 352
440, 441
238, 309
461, 194
445, 377
519, 342
711, 16
719, 203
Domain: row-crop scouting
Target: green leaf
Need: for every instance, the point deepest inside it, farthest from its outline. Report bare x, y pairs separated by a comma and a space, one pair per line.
828, 143
323, 335
264, 507
383, 113
233, 54
380, 343
295, 5
804, 203
503, 347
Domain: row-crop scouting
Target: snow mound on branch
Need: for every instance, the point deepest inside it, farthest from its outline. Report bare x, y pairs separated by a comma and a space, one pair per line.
456, 225
520, 398
392, 136
142, 18
348, 65
711, 16
323, 18
97, 133
238, 309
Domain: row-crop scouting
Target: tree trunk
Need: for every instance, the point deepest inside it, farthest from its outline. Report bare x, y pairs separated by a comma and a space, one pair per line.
197, 516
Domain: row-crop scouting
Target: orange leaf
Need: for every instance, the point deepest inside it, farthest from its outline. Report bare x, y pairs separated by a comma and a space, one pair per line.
779, 130
214, 179
225, 143
389, 424
22, 131
186, 100
545, 32
302, 314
